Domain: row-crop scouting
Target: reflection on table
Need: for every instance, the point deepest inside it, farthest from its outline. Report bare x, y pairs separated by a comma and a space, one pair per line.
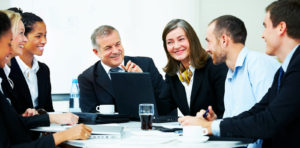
134, 137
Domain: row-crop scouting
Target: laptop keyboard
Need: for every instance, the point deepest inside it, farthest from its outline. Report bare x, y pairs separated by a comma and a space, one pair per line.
162, 119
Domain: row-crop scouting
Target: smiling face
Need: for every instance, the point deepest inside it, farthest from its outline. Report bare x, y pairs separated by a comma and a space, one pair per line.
111, 51
213, 45
178, 45
5, 46
19, 40
36, 39
270, 36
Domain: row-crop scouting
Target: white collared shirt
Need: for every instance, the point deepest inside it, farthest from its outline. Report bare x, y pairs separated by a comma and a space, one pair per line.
188, 89
107, 68
6, 69
30, 77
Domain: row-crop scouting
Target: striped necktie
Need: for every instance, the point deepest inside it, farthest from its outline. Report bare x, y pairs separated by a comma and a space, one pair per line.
115, 69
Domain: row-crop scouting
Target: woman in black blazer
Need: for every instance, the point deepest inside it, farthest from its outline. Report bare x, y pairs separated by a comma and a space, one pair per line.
14, 128
31, 78
193, 82
17, 44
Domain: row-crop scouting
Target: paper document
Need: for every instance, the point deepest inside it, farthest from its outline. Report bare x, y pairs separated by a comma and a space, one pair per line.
99, 131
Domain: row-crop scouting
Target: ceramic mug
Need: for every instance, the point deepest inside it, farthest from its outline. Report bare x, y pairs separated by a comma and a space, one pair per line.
106, 108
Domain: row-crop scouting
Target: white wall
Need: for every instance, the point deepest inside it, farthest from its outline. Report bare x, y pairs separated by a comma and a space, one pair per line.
140, 23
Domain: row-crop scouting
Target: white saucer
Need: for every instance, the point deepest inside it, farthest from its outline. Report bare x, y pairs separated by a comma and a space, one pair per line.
193, 140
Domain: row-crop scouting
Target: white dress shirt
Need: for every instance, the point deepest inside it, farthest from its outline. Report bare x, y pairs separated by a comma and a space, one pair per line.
31, 78
188, 89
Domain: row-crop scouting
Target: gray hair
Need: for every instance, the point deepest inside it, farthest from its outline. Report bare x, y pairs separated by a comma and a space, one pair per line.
101, 31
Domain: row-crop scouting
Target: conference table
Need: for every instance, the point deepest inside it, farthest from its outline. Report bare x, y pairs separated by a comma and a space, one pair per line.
134, 137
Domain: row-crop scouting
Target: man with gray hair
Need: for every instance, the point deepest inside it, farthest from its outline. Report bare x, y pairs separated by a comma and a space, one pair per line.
95, 84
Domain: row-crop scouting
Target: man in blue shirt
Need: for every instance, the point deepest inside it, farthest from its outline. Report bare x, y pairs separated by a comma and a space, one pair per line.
276, 118
250, 74
253, 71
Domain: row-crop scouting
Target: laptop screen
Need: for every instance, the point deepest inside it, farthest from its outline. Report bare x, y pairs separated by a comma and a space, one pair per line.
132, 89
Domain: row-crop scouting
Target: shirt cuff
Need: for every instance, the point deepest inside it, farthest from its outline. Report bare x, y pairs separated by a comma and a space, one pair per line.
215, 127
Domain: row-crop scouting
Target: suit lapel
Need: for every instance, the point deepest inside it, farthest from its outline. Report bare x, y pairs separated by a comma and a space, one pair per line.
296, 53
197, 81
40, 80
126, 59
180, 96
17, 73
103, 80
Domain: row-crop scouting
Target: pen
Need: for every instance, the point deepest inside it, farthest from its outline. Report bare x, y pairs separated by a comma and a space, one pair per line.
206, 113
179, 132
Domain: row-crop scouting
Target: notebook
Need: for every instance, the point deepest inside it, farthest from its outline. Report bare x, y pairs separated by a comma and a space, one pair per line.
99, 131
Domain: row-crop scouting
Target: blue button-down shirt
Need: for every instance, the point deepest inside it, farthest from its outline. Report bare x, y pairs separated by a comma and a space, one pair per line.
247, 84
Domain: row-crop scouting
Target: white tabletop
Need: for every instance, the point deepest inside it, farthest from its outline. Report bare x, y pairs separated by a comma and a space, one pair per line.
134, 137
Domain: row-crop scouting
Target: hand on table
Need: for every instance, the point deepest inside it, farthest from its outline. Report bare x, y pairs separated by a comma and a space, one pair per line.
80, 131
30, 112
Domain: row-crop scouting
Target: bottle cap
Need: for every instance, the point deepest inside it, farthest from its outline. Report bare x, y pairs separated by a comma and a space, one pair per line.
74, 81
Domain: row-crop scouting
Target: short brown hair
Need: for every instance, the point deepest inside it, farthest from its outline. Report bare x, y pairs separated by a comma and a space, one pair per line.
232, 26
198, 55
287, 11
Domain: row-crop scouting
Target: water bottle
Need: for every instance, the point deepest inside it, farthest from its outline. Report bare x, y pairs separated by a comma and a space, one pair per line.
74, 97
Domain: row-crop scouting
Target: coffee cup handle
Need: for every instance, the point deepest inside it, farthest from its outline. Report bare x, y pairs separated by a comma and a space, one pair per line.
98, 108
205, 131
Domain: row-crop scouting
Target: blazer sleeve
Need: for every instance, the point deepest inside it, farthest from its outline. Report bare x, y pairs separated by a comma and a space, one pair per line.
217, 79
44, 142
280, 110
156, 78
88, 97
35, 121
165, 101
48, 97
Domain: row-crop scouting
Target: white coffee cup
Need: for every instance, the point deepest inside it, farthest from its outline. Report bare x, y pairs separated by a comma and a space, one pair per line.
106, 108
194, 131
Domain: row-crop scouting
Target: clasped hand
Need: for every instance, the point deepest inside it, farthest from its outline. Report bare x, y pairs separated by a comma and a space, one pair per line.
131, 67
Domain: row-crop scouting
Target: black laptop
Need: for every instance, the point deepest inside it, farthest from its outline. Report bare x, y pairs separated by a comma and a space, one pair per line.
132, 89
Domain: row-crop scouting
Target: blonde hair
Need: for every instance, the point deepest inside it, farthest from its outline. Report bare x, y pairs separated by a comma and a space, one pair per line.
15, 18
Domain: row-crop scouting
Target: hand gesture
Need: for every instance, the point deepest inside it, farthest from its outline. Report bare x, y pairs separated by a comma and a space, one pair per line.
131, 67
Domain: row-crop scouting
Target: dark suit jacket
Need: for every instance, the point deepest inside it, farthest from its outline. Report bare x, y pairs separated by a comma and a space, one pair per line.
14, 128
96, 87
21, 90
208, 89
276, 118
7, 89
